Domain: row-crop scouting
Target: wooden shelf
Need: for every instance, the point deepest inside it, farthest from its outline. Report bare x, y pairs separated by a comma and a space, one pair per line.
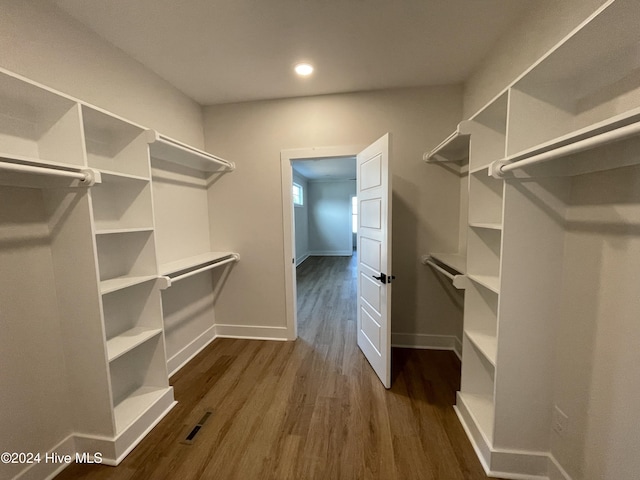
113, 284
455, 148
486, 343
487, 281
128, 340
193, 262
170, 150
454, 261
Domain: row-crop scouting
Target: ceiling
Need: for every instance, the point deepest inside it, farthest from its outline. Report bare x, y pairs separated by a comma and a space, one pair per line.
335, 168
221, 51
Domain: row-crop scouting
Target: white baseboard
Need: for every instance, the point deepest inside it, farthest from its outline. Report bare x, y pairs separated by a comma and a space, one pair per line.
427, 342
180, 359
302, 259
499, 463
331, 253
48, 470
251, 332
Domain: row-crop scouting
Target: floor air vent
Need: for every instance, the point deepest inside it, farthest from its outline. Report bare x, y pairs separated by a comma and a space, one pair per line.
192, 434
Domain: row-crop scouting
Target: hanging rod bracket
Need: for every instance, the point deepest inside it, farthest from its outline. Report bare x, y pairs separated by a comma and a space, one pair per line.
495, 169
91, 177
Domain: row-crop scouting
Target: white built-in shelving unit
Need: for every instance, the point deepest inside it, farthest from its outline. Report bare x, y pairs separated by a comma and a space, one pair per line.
537, 153
453, 151
187, 254
77, 188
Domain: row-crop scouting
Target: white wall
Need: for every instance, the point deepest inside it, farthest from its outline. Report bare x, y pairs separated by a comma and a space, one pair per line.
425, 197
35, 412
301, 221
44, 44
330, 217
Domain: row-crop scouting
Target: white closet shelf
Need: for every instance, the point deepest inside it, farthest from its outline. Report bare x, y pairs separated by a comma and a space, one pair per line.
452, 260
138, 403
123, 176
487, 281
173, 151
129, 340
482, 412
30, 172
485, 343
614, 129
454, 148
486, 225
113, 284
112, 231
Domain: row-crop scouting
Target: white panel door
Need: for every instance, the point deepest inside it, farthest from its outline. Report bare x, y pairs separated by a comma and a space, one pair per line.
374, 257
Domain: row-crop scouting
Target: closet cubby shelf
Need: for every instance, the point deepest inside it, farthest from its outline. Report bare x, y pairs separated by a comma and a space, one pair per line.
482, 412
170, 150
188, 267
139, 403
615, 129
125, 176
454, 148
129, 340
485, 343
36, 173
115, 231
114, 284
487, 281
487, 225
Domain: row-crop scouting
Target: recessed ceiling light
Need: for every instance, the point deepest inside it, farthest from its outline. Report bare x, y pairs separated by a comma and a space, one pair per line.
304, 69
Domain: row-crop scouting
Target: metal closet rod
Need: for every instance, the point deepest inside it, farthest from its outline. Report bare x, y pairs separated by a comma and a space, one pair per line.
234, 258
577, 147
17, 167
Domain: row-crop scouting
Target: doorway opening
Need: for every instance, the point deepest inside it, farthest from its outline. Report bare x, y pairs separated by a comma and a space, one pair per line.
372, 274
319, 225
323, 190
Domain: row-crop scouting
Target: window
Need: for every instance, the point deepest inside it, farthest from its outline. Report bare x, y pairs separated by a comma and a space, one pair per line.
298, 195
354, 214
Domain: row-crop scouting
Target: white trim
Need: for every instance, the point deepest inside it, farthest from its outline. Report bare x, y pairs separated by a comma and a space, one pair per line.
286, 156
186, 354
302, 259
507, 460
38, 471
556, 472
252, 332
427, 342
331, 253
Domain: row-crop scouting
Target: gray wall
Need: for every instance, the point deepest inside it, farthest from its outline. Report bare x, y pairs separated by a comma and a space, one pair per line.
330, 217
253, 134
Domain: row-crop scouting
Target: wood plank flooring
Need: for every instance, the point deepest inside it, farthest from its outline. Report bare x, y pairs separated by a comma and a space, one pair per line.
309, 409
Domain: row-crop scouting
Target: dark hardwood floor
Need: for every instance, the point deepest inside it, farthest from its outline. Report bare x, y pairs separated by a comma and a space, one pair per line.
309, 409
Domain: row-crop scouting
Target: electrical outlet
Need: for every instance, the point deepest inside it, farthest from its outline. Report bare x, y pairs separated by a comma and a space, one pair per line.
560, 421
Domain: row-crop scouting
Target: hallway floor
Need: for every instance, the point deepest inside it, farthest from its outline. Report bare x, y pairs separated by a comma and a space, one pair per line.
309, 409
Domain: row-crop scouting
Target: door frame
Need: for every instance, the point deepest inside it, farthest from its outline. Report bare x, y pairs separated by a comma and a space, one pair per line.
286, 170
